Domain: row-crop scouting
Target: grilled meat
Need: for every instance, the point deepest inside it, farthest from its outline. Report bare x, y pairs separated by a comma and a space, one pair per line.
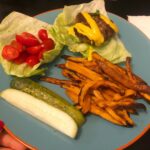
104, 28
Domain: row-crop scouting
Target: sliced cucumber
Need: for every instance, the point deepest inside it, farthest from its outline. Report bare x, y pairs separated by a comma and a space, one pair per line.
41, 110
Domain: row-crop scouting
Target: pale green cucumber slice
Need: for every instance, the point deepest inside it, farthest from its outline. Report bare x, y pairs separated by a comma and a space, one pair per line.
41, 110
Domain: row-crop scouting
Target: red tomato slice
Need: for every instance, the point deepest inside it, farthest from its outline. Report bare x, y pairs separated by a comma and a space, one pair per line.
32, 60
27, 39
42, 34
48, 44
17, 45
34, 49
22, 58
10, 53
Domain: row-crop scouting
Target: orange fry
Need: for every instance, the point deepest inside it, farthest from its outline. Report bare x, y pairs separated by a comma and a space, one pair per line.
145, 95
74, 59
84, 91
83, 70
102, 88
123, 113
86, 104
115, 116
72, 88
118, 75
129, 70
72, 96
104, 114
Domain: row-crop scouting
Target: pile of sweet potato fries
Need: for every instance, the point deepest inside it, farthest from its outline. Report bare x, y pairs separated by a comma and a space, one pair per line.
102, 88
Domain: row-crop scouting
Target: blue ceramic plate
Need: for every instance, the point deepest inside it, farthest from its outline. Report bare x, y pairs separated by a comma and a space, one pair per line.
96, 134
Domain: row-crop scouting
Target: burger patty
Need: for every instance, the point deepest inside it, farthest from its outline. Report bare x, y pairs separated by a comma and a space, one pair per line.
105, 29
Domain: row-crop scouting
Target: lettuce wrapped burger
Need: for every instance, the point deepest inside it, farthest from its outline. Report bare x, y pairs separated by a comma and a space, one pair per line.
86, 28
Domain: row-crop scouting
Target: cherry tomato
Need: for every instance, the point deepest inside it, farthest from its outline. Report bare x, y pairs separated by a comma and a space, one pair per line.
10, 53
48, 44
17, 45
34, 49
40, 55
42, 34
32, 60
27, 39
22, 58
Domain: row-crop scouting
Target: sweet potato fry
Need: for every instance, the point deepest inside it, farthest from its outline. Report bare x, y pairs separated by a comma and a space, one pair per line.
74, 59
131, 75
104, 114
124, 80
86, 104
90, 64
110, 93
62, 66
72, 88
116, 116
107, 84
145, 95
129, 103
72, 96
128, 93
127, 118
99, 103
58, 81
119, 69
123, 113
98, 95
83, 70
129, 70
99, 59
73, 75
118, 75
131, 106
132, 111
102, 88
105, 94
70, 75
84, 90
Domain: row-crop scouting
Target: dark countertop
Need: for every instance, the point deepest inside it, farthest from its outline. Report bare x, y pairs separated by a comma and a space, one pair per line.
119, 7
33, 7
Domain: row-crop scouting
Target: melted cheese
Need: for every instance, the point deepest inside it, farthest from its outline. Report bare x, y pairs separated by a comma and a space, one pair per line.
110, 23
90, 51
92, 33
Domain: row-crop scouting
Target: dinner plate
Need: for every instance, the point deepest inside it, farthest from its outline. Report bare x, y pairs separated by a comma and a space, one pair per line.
96, 133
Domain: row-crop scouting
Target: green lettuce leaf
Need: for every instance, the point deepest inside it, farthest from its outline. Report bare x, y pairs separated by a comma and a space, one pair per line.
113, 50
16, 23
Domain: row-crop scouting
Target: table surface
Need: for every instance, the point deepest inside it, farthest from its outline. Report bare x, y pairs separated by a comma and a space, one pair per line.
119, 7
